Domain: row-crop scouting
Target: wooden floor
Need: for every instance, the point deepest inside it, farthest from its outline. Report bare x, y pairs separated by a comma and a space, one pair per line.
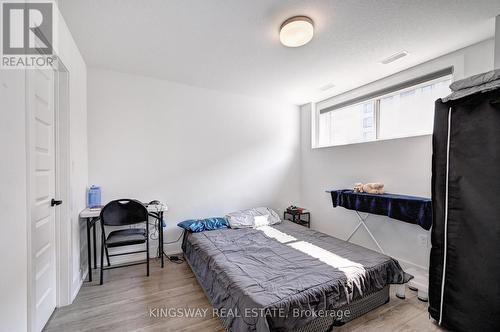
128, 299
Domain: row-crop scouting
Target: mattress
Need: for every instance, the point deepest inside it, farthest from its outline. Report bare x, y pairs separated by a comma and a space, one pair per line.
282, 277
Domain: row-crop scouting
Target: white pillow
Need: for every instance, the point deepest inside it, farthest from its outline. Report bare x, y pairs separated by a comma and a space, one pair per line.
246, 218
239, 220
259, 221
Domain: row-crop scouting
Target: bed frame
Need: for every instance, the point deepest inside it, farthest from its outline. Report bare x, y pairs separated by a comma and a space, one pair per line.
356, 309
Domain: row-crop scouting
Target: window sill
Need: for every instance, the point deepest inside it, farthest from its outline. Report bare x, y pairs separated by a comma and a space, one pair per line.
372, 141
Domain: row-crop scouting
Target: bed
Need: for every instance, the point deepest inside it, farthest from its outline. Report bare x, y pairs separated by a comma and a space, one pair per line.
285, 277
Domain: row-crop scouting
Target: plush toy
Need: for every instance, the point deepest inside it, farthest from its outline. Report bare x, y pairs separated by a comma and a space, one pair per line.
369, 188
358, 187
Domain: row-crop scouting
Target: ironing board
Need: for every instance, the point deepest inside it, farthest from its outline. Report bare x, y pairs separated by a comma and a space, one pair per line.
410, 209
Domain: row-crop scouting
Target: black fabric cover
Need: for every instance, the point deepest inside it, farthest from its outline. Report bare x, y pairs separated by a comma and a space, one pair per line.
471, 300
411, 209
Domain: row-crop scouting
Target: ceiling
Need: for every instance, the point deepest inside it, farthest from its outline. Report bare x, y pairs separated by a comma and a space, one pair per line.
234, 45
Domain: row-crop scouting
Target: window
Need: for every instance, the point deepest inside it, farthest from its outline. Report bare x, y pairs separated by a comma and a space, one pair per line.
410, 112
349, 124
402, 111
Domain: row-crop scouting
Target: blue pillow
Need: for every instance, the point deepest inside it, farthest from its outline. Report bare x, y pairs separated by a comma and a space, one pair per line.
200, 225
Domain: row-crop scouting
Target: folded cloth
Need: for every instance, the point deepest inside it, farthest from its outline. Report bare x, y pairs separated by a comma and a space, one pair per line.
475, 84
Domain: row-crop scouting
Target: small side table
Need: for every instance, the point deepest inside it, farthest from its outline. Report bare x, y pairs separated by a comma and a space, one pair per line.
300, 218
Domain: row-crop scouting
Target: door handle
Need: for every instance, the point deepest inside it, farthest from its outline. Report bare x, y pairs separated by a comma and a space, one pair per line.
54, 202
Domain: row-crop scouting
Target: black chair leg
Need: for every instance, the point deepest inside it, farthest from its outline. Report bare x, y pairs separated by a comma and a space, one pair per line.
102, 259
147, 256
107, 255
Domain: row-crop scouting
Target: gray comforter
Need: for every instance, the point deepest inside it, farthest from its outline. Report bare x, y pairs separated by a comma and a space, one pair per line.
268, 279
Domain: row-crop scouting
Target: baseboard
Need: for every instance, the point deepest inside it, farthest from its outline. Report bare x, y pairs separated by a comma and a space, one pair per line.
408, 264
76, 290
172, 248
419, 272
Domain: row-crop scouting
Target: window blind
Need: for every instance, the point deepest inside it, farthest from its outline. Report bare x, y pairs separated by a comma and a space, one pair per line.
393, 88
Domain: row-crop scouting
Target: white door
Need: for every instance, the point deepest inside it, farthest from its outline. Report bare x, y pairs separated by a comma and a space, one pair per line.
41, 163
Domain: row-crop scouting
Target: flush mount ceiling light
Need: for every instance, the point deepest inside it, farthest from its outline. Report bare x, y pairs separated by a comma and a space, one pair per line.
296, 31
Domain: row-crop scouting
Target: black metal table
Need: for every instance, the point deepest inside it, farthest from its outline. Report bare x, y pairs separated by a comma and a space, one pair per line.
297, 217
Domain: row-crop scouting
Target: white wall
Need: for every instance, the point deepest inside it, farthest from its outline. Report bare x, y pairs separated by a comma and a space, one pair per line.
13, 200
497, 42
203, 152
404, 165
13, 282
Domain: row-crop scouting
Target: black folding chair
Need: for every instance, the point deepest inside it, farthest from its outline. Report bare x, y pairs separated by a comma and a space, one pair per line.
124, 212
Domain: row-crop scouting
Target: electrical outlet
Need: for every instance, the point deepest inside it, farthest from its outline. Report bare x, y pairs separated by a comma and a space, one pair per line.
423, 240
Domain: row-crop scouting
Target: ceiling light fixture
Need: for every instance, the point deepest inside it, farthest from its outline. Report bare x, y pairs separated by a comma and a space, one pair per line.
296, 31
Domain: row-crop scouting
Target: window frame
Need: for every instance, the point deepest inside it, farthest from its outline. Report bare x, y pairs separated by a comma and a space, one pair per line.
446, 74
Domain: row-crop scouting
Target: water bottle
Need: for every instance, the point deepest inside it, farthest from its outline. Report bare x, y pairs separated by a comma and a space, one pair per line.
93, 197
